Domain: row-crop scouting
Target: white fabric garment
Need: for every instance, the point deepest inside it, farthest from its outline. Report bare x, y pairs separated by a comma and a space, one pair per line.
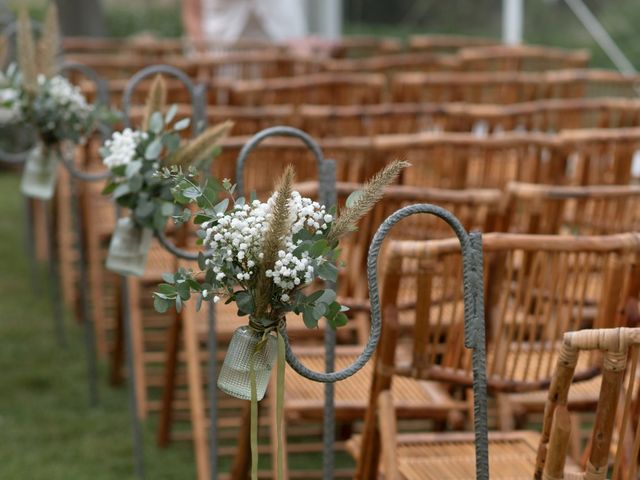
276, 20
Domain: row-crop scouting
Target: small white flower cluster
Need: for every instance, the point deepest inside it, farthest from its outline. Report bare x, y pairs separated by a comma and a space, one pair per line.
66, 97
9, 105
290, 271
306, 213
121, 147
236, 239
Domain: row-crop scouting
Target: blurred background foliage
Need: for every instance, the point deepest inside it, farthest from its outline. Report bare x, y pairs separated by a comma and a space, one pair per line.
547, 22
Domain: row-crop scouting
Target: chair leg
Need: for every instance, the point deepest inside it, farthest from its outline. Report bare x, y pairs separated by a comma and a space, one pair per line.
116, 376
197, 403
242, 459
273, 434
169, 384
505, 413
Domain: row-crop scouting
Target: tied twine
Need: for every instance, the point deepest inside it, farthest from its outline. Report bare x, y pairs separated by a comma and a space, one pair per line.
265, 331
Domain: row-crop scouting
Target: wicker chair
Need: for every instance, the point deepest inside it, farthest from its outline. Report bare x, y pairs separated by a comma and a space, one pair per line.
520, 58
620, 456
322, 88
537, 286
447, 43
590, 210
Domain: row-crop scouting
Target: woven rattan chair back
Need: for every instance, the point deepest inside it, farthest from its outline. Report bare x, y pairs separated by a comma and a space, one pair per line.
600, 156
464, 160
252, 65
324, 89
520, 58
447, 43
562, 114
390, 64
538, 288
615, 440
591, 210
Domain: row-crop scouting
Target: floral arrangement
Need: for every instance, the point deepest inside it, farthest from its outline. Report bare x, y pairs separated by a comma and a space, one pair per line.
134, 158
39, 98
46, 101
265, 257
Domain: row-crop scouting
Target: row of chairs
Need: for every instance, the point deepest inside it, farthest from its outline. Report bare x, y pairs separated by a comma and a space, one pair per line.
410, 87
260, 64
548, 274
533, 209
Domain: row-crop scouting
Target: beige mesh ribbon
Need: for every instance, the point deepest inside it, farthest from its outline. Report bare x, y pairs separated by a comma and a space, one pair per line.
279, 398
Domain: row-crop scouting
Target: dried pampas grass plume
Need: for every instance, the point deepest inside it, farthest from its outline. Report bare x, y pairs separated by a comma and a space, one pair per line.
156, 100
198, 149
49, 44
26, 52
273, 240
370, 194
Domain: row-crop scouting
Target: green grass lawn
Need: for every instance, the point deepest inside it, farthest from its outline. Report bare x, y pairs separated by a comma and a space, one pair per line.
47, 430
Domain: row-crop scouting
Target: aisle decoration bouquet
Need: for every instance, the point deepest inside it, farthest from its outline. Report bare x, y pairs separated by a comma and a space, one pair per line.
265, 257
46, 102
134, 158
9, 108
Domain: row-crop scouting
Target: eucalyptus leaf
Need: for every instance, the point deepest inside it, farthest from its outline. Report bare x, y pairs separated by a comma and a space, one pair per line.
167, 209
171, 113
182, 124
167, 289
156, 123
354, 197
309, 318
144, 209
135, 183
121, 190
328, 271
133, 167
245, 303
153, 150
340, 320
161, 305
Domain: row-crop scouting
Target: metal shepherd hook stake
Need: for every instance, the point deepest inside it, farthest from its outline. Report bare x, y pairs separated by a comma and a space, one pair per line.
474, 327
327, 193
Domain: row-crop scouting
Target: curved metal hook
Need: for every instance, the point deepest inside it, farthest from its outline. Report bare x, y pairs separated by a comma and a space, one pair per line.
168, 70
177, 251
283, 131
376, 322
102, 91
474, 327
102, 98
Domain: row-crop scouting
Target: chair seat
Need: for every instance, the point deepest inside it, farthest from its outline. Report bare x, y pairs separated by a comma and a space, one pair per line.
582, 395
530, 363
451, 456
414, 398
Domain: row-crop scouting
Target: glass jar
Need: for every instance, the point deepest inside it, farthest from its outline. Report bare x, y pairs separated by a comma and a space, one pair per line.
40, 173
128, 248
234, 374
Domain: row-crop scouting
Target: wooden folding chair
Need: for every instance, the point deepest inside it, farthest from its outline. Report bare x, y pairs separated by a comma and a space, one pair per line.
447, 43
252, 65
615, 441
562, 114
537, 289
600, 156
471, 87
397, 62
322, 88
464, 160
520, 58
590, 210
